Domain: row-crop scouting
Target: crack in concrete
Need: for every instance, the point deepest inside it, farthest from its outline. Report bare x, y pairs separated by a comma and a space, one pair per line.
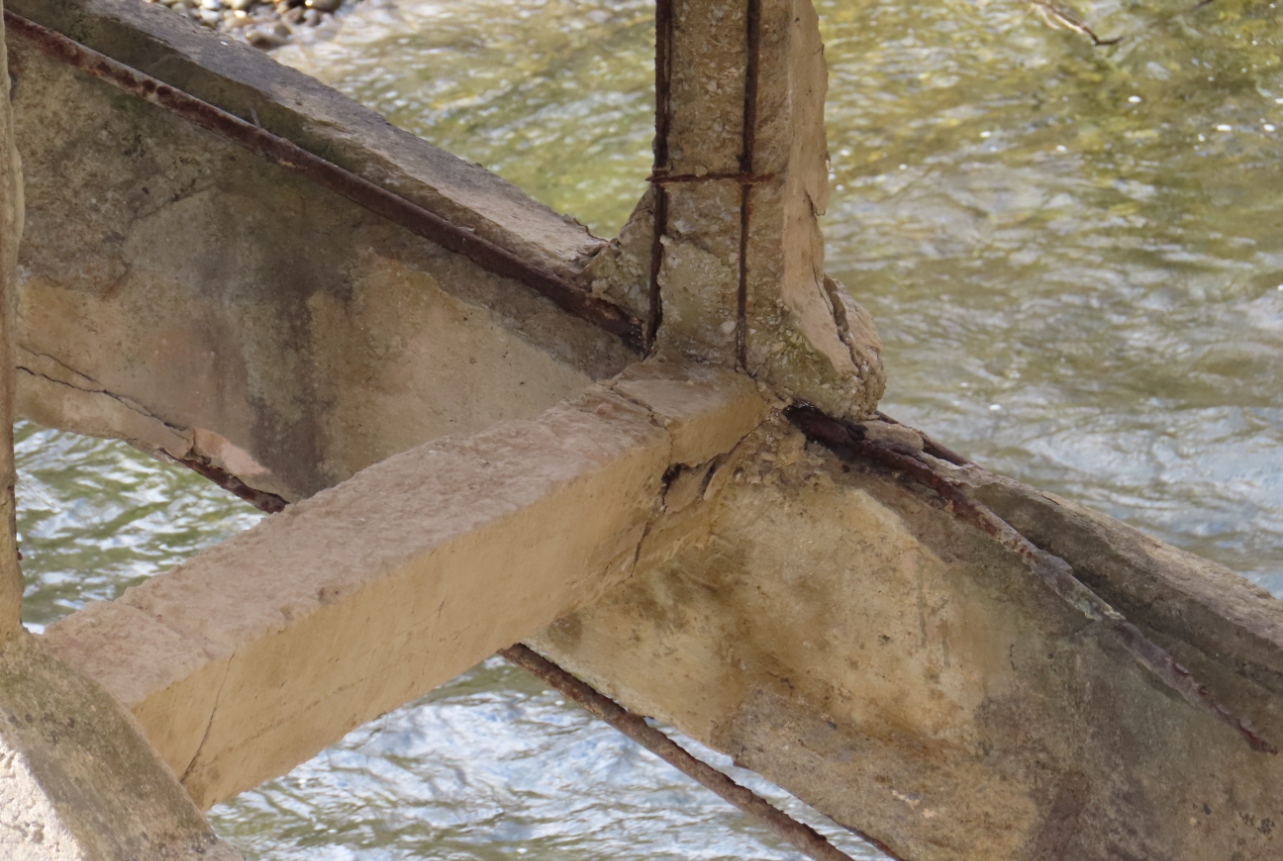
213, 711
1052, 570
189, 455
101, 389
830, 289
651, 415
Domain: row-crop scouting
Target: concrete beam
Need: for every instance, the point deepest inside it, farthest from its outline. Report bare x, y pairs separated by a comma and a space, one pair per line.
213, 307
846, 632
253, 656
248, 84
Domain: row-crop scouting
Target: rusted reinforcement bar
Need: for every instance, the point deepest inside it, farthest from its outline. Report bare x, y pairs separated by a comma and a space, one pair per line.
748, 147
278, 150
664, 29
260, 499
741, 178
847, 442
929, 445
804, 837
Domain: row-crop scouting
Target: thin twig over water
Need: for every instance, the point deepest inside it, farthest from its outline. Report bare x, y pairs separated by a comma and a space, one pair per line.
1059, 18
1062, 19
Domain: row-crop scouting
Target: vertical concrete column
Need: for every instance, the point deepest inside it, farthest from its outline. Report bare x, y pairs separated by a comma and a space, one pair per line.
10, 232
741, 176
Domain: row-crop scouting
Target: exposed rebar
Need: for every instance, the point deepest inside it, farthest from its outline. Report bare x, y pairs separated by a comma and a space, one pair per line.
805, 838
664, 24
748, 145
848, 443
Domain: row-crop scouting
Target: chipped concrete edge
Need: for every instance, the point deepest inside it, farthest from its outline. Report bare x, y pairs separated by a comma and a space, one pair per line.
81, 782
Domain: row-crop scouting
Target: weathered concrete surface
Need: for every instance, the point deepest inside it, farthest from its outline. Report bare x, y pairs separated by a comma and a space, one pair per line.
729, 234
181, 293
845, 635
806, 335
10, 233
1220, 626
78, 782
251, 657
252, 86
831, 627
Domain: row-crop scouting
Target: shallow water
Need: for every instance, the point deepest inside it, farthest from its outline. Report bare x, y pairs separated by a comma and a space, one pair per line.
1075, 257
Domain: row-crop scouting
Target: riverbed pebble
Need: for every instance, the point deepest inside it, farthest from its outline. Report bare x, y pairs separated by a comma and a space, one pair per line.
265, 24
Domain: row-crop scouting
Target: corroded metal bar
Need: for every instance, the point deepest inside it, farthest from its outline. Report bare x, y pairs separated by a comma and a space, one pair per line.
805, 838
847, 441
287, 154
664, 23
268, 503
752, 76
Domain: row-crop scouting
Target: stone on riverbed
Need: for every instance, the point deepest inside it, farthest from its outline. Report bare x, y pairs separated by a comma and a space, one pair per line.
263, 24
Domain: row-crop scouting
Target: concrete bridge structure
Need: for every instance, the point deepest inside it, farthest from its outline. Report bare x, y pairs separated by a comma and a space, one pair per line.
656, 461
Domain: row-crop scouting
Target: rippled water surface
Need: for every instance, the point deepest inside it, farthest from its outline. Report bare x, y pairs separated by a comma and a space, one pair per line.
490, 766
1074, 254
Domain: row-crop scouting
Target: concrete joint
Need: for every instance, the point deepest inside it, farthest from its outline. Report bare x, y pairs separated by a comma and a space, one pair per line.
252, 656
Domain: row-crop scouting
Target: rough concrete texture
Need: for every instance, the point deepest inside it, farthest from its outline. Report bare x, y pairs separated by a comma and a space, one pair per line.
620, 272
1200, 611
253, 656
709, 55
252, 86
78, 782
741, 177
829, 625
806, 336
183, 294
10, 232
699, 275
844, 634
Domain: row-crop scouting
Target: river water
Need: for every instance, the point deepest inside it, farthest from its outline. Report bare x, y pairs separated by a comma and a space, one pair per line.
1075, 257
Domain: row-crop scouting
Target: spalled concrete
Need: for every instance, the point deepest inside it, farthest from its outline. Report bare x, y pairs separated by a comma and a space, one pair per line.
251, 657
729, 235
